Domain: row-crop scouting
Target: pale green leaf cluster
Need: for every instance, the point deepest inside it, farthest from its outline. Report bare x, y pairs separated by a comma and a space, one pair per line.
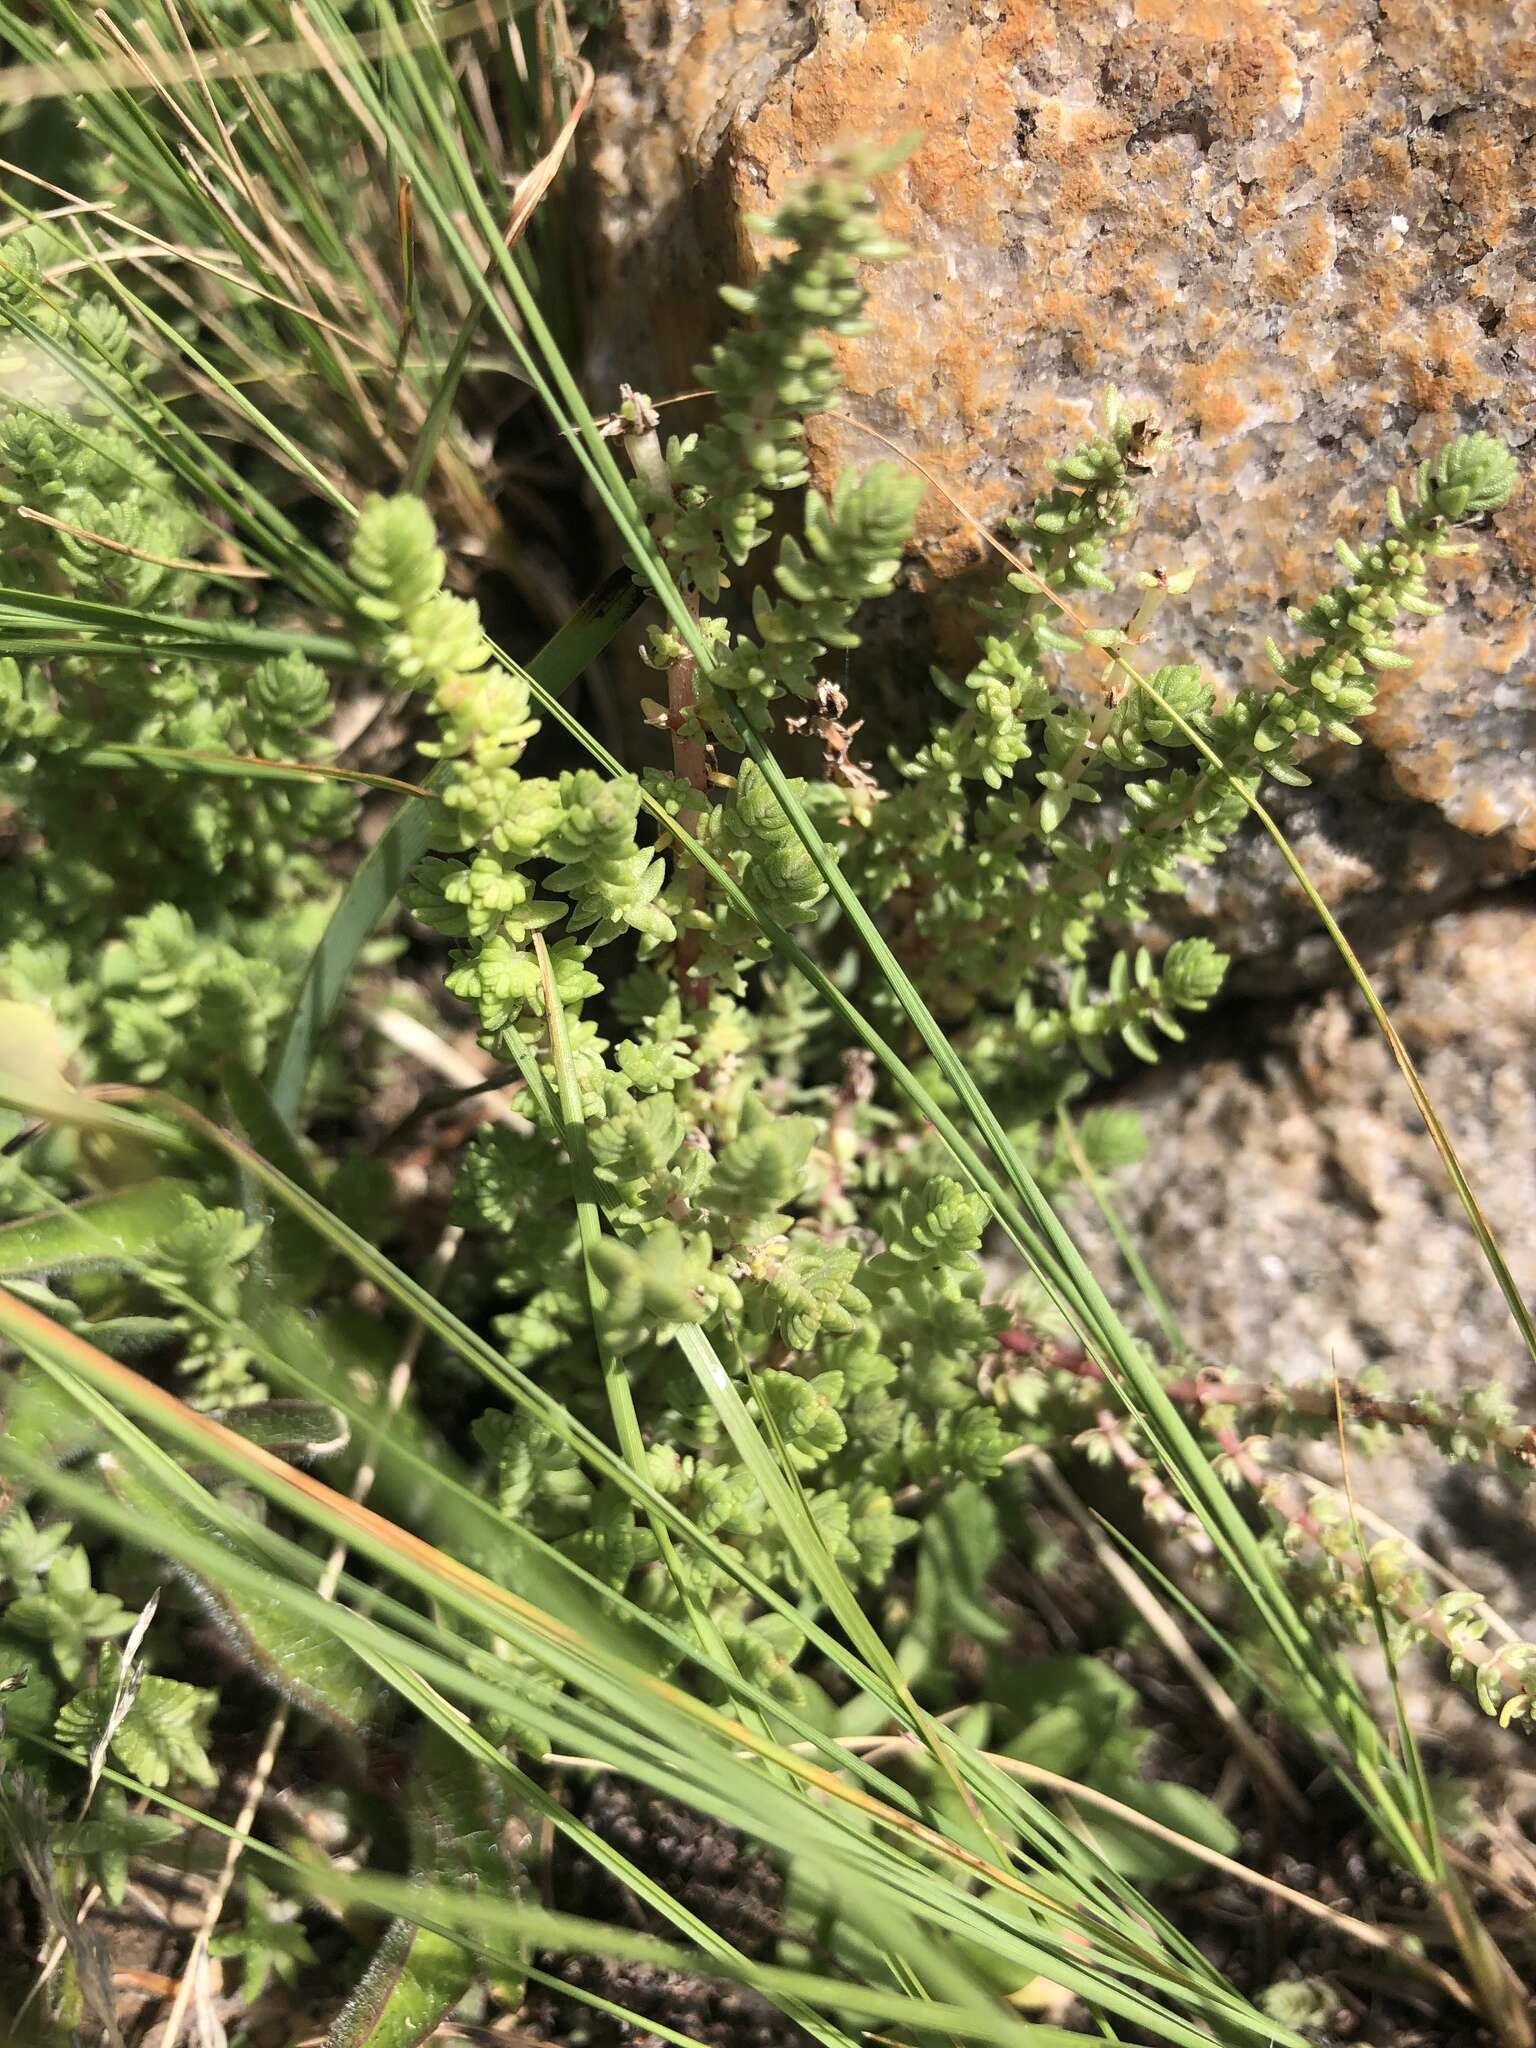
803, 1226
61, 1678
772, 373
161, 1737
160, 916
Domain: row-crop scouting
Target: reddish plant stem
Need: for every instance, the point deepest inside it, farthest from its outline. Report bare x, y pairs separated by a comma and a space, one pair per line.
1161, 1502
1203, 1390
1282, 1498
1206, 1391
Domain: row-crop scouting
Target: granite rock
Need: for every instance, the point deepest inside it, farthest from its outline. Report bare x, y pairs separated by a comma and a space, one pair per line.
1382, 864
1295, 1212
1300, 233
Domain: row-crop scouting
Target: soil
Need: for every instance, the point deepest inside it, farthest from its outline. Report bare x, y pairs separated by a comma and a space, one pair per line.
709, 1869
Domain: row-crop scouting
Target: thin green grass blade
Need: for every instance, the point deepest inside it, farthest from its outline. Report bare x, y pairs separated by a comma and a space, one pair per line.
60, 1352
621, 1395
169, 633
1125, 1244
101, 1232
232, 767
1488, 1244
395, 1660
266, 1127
635, 2024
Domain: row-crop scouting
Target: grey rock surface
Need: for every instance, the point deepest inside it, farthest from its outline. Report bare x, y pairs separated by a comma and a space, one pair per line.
1294, 1210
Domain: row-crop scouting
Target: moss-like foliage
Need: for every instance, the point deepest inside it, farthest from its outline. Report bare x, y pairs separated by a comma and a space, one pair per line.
745, 1190
160, 916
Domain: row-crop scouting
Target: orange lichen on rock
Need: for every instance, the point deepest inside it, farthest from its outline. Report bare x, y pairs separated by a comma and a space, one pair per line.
1296, 232
1440, 361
